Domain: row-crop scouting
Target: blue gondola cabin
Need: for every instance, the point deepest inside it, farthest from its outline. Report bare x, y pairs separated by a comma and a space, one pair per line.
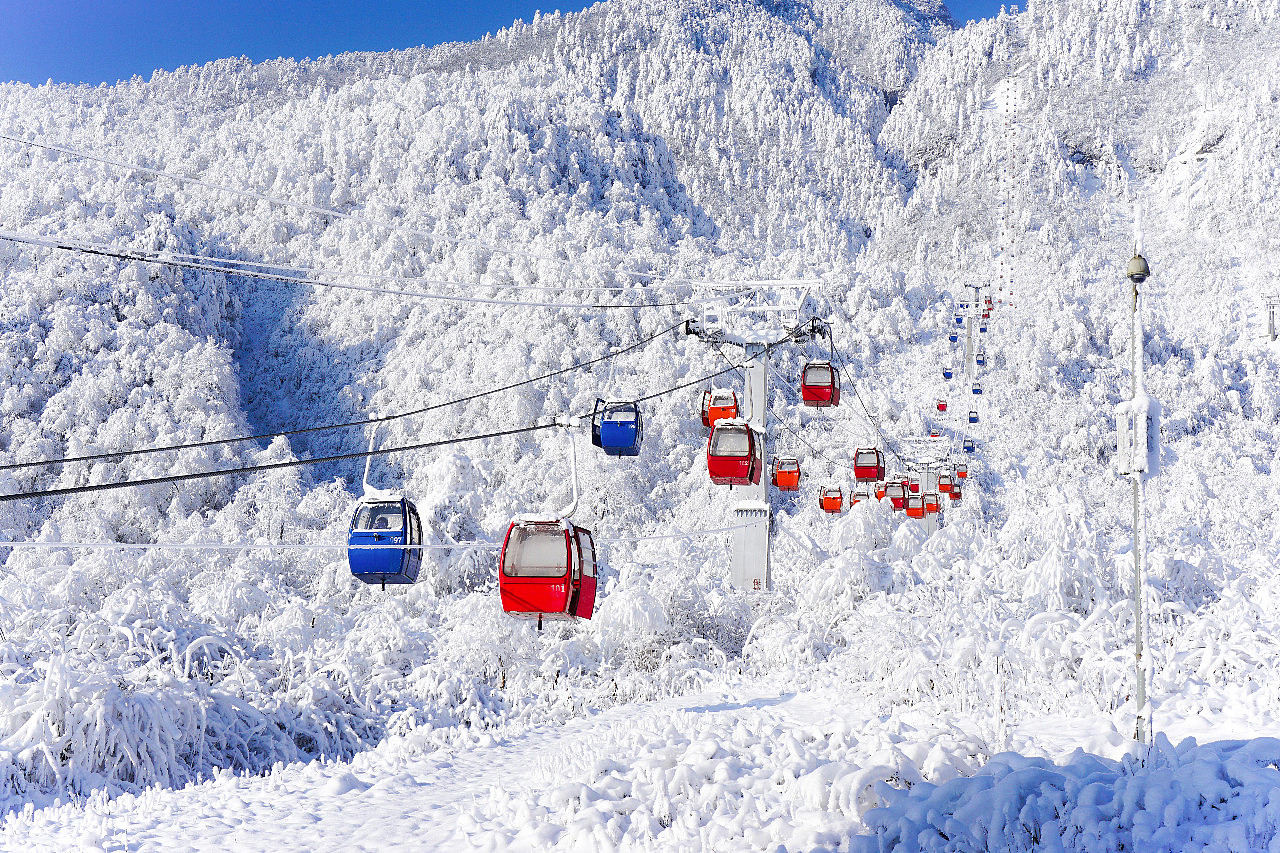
617, 427
382, 525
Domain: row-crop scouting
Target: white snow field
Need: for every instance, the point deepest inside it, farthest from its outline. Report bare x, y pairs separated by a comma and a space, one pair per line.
896, 690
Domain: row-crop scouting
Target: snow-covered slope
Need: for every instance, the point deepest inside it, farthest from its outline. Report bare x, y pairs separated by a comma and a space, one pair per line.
607, 155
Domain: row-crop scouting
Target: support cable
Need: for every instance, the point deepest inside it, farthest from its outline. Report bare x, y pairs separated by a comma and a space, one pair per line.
508, 250
365, 422
272, 466
305, 546
268, 466
108, 251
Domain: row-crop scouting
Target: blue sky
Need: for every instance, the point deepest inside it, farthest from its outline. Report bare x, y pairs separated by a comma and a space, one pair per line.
96, 41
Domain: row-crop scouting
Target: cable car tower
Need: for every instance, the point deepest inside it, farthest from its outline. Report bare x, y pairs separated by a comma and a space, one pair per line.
754, 315
1273, 316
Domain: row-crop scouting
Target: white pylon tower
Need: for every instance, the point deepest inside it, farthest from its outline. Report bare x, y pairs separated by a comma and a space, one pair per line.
756, 316
1138, 458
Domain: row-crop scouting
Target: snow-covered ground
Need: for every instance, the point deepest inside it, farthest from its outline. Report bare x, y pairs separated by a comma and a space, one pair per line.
969, 689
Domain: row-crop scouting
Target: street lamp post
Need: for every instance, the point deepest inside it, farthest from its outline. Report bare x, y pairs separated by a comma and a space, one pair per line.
1138, 458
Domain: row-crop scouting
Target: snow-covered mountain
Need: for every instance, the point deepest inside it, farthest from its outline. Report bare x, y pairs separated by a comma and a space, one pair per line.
609, 156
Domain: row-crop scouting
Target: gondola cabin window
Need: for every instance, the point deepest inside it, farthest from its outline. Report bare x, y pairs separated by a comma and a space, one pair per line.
536, 551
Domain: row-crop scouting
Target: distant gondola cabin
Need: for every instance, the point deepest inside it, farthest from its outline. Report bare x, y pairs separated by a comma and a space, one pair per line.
831, 499
718, 404
868, 464
820, 384
786, 474
735, 454
617, 427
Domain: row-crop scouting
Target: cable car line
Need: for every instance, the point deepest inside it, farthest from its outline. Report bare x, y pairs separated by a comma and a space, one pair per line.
866, 411
401, 278
353, 217
306, 546
170, 261
365, 422
268, 466
364, 454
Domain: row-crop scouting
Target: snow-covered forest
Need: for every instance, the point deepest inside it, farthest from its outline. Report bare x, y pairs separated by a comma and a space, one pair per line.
965, 690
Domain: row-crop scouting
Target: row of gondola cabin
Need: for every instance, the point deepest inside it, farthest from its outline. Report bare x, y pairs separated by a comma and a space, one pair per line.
718, 404
820, 385
786, 474
547, 569
617, 427
868, 464
831, 499
383, 526
735, 454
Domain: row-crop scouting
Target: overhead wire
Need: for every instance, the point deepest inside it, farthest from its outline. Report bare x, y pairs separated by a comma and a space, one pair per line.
400, 278
267, 466
103, 250
336, 546
356, 217
365, 422
272, 466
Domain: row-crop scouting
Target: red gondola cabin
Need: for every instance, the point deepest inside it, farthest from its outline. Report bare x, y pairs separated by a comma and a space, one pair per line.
819, 384
942, 405
914, 506
962, 471
859, 496
718, 404
944, 483
786, 474
547, 569
831, 499
881, 488
897, 494
955, 495
868, 464
735, 454
932, 503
